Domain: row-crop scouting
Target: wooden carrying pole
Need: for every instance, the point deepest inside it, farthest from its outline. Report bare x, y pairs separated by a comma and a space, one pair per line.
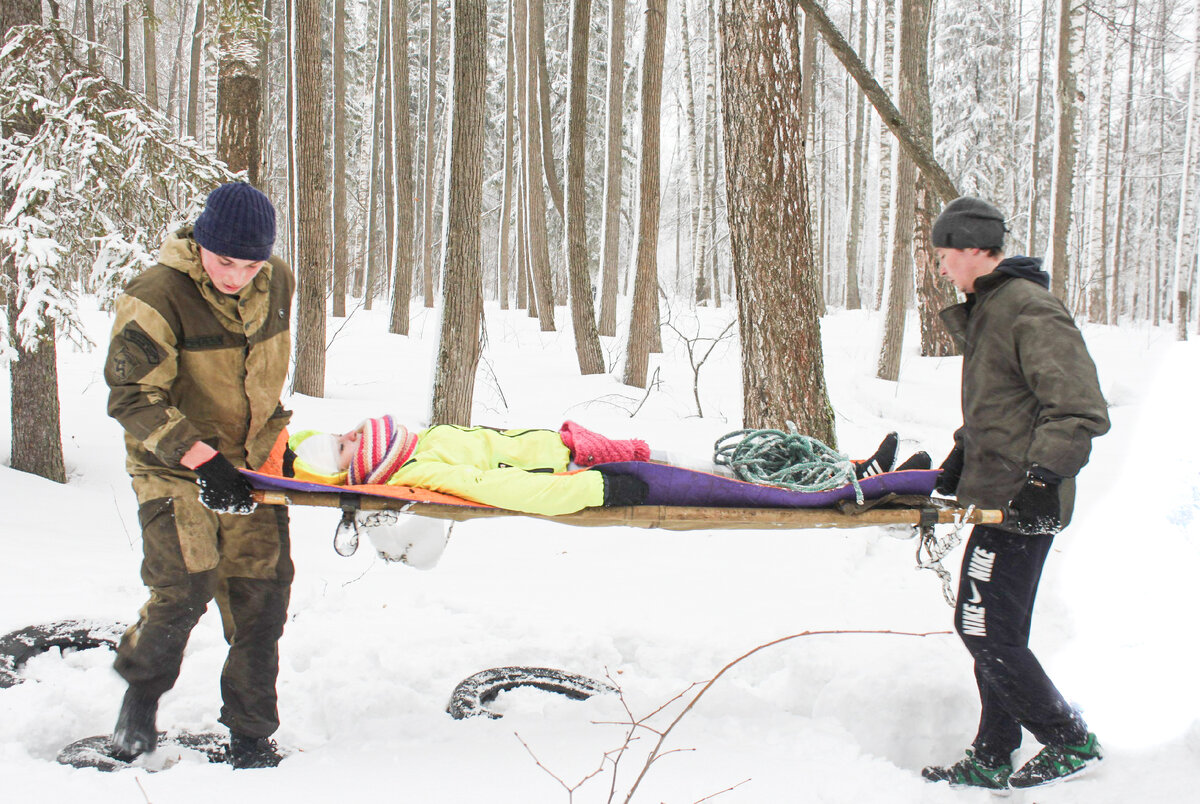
666, 517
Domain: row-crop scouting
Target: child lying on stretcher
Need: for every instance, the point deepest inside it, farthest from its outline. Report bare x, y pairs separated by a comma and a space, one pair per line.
520, 470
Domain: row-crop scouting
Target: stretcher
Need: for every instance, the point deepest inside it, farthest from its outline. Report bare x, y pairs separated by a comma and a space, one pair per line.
678, 499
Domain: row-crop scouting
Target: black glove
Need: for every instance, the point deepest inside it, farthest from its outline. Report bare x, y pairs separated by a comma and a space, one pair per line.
222, 488
951, 472
622, 489
1036, 507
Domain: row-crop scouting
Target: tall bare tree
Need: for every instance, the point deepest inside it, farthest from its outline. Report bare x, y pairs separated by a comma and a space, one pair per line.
1189, 195
402, 169
338, 68
149, 52
1099, 245
462, 300
1114, 308
194, 72
778, 286
33, 375
1066, 141
583, 313
610, 244
643, 317
427, 188
1035, 139
312, 201
540, 74
856, 213
532, 155
503, 250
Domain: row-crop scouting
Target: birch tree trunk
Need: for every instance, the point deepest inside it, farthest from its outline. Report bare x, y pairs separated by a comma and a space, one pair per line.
778, 287
312, 202
886, 45
703, 250
1098, 244
428, 188
643, 317
583, 314
613, 168
149, 52
33, 375
462, 284
1185, 238
402, 169
1066, 141
340, 258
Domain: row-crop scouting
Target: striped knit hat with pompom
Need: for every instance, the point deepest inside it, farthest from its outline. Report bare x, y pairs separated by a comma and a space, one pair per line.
383, 447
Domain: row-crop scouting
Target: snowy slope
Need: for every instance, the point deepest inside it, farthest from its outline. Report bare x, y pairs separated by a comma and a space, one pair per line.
373, 650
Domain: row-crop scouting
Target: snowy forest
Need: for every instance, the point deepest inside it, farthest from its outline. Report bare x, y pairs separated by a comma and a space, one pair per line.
628, 160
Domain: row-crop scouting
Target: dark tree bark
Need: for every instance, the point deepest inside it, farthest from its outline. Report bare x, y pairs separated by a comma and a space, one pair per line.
644, 317
194, 74
33, 375
312, 202
239, 93
778, 286
462, 288
583, 313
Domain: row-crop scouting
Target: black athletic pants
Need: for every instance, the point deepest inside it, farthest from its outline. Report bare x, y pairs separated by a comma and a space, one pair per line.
997, 587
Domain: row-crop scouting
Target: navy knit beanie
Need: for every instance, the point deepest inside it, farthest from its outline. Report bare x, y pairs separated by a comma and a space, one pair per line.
969, 223
238, 221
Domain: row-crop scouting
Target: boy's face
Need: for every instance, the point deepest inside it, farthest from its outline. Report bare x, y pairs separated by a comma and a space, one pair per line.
962, 266
228, 274
347, 445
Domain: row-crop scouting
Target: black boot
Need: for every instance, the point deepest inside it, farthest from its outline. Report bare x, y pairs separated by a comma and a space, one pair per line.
252, 752
918, 460
135, 733
881, 461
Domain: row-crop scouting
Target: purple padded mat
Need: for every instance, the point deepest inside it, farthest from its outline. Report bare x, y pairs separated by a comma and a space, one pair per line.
673, 485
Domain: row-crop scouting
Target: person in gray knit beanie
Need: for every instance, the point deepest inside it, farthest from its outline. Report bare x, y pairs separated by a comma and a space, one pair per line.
969, 222
238, 221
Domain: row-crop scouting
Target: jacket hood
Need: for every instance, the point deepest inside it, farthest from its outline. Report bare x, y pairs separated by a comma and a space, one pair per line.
1025, 268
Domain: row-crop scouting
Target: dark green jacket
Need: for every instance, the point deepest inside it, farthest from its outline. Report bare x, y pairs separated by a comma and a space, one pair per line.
187, 362
1030, 394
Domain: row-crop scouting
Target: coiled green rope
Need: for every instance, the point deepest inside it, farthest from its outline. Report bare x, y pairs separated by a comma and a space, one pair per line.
787, 460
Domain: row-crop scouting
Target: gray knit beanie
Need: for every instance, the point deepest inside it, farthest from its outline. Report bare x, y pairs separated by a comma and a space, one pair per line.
238, 221
969, 223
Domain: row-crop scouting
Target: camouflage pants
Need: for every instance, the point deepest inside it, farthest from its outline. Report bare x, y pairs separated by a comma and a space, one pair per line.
190, 556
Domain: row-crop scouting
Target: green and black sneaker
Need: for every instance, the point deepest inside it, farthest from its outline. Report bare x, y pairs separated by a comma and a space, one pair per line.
971, 771
1056, 763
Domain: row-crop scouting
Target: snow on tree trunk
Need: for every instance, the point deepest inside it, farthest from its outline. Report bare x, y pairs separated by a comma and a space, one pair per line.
194, 74
1066, 142
583, 313
691, 133
887, 49
613, 163
643, 317
239, 87
312, 202
402, 169
778, 286
462, 284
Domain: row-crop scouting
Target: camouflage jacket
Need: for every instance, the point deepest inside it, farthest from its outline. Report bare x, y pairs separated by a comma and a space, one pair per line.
188, 363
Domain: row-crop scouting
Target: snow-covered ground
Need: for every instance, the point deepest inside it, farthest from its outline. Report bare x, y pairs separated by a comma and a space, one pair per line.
372, 650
